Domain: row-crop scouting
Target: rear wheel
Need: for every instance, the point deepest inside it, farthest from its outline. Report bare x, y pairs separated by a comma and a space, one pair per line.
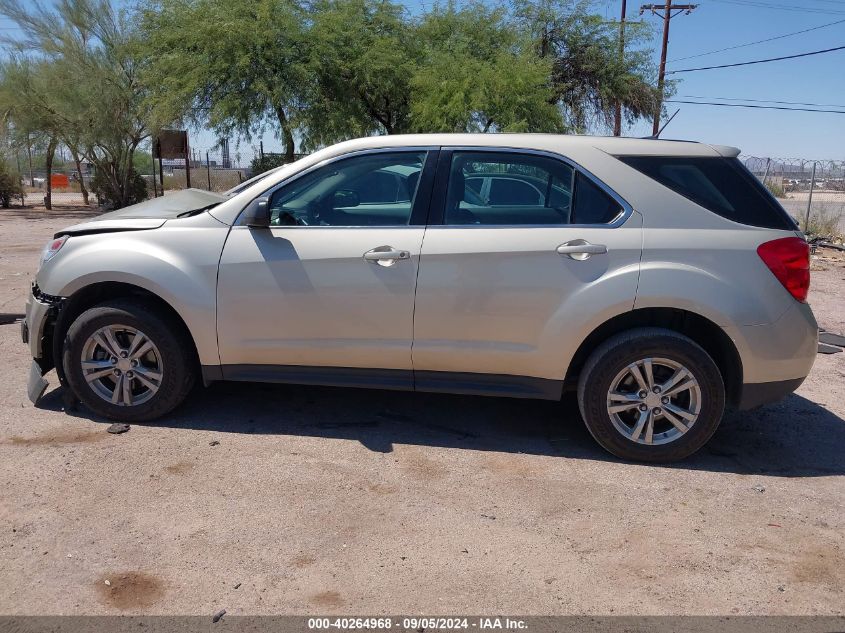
128, 362
651, 394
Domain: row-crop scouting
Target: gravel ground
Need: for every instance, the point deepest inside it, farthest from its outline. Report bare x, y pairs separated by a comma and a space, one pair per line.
275, 499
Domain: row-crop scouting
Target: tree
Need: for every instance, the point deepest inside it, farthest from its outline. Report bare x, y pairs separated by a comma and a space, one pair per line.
85, 92
588, 77
363, 54
229, 64
326, 70
477, 74
21, 84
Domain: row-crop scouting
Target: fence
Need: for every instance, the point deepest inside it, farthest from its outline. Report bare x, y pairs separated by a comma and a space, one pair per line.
212, 170
812, 191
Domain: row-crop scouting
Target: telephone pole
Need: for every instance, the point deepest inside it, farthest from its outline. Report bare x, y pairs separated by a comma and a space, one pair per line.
617, 118
668, 14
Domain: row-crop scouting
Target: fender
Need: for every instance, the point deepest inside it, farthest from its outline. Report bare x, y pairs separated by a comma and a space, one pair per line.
584, 311
177, 263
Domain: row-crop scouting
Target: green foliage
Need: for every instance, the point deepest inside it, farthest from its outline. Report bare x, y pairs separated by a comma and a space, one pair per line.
363, 54
71, 77
477, 76
588, 76
775, 189
269, 161
326, 70
825, 221
233, 65
103, 186
142, 161
10, 185
98, 81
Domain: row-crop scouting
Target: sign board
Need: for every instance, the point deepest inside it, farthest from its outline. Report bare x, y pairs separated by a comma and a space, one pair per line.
171, 144
58, 181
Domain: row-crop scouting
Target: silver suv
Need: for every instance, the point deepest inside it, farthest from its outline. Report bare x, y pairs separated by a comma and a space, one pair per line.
659, 279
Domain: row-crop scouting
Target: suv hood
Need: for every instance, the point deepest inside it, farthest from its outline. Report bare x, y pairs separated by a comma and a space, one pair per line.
149, 214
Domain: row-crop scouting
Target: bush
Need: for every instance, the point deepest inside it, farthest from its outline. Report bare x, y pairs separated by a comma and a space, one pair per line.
825, 223
260, 164
775, 189
10, 186
107, 196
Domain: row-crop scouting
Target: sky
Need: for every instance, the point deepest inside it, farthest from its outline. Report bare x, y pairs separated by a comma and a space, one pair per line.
718, 24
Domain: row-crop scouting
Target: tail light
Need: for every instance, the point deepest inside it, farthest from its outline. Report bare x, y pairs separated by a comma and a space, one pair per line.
789, 260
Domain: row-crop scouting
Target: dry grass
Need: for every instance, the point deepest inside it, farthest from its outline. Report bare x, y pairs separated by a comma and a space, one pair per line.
824, 222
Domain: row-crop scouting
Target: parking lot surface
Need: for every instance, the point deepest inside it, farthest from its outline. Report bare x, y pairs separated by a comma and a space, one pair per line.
284, 499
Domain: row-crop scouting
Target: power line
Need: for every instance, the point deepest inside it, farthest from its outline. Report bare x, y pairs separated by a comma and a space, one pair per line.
766, 5
756, 61
748, 105
770, 39
801, 103
667, 9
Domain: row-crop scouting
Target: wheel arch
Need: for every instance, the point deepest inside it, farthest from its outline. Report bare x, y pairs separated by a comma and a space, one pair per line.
99, 292
702, 330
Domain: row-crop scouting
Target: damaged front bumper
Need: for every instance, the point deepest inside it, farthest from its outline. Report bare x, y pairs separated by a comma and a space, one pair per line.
37, 332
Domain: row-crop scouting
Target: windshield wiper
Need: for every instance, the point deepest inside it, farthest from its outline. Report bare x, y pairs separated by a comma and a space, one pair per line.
193, 212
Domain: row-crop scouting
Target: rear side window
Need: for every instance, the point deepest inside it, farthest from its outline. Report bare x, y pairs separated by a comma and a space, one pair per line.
512, 188
592, 205
721, 185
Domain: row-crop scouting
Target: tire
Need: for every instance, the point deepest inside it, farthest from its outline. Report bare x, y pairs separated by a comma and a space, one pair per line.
624, 432
171, 358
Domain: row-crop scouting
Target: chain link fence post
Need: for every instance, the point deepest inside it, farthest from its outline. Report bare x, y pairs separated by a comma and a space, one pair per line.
810, 198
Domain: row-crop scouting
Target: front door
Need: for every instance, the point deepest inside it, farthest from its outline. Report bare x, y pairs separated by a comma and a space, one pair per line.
328, 289
524, 252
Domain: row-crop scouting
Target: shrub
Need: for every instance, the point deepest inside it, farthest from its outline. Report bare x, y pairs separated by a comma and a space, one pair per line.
775, 189
10, 186
824, 223
106, 195
268, 161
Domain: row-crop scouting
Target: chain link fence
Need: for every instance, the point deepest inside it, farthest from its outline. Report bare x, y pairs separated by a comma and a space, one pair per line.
812, 191
217, 169
66, 189
213, 170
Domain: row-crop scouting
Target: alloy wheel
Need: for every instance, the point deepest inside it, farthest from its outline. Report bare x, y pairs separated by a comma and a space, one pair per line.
654, 401
122, 365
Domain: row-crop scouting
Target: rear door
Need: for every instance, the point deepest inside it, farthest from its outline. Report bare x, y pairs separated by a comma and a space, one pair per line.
523, 254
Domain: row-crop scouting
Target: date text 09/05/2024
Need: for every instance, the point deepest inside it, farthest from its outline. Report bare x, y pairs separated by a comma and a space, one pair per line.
415, 623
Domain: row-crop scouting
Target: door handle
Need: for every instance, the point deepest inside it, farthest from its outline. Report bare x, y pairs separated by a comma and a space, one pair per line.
385, 255
580, 250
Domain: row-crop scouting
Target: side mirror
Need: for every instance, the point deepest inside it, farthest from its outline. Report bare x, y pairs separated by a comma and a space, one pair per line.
345, 198
257, 214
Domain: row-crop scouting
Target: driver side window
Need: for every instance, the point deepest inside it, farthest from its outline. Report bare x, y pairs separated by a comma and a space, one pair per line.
368, 190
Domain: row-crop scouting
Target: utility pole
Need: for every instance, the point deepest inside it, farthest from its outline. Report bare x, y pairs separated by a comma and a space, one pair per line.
617, 118
667, 10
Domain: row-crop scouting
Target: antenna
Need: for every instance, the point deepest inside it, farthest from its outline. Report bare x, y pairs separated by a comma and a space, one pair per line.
660, 131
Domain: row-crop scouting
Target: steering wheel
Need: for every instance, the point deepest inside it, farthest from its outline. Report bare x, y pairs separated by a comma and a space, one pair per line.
286, 218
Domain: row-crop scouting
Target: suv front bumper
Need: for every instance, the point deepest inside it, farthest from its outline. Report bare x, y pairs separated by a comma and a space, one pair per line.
41, 308
36, 332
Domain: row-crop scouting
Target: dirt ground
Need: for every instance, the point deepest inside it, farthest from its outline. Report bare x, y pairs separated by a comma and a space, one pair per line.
274, 499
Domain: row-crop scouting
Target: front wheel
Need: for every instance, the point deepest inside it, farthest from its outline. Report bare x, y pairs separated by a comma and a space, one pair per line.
128, 362
651, 394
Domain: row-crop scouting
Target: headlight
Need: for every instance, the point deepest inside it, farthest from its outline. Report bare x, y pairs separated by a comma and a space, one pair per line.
53, 247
